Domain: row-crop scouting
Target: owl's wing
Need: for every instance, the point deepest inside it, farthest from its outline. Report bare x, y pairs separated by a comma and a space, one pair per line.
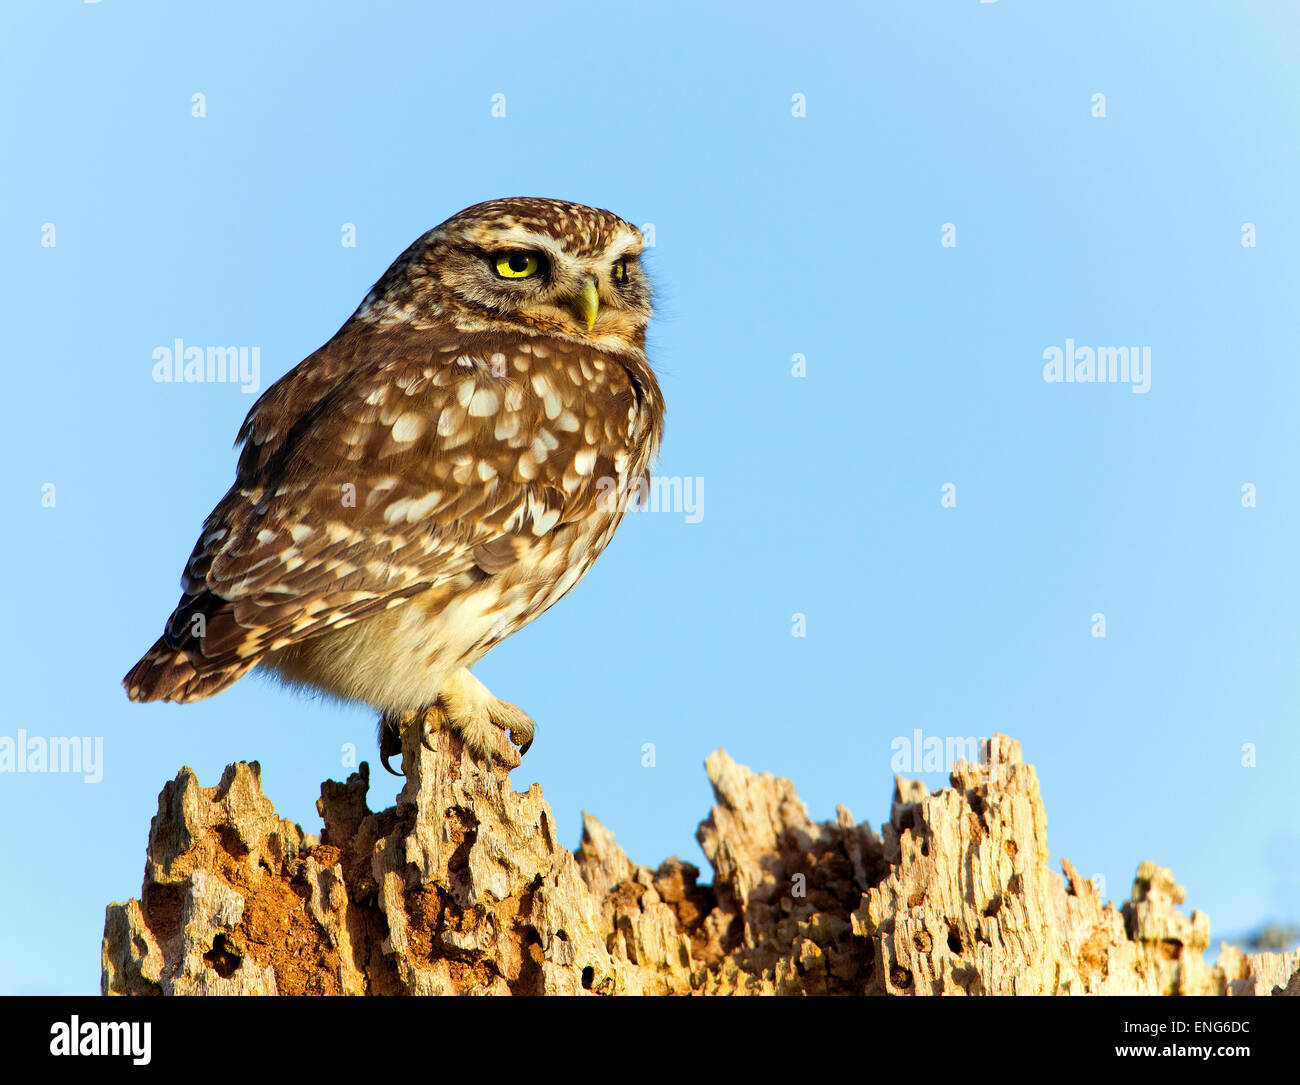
405, 471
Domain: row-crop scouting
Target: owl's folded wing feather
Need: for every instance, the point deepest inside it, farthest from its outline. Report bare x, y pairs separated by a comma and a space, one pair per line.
398, 474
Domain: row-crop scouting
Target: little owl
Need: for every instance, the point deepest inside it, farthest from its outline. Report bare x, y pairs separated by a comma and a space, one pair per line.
432, 479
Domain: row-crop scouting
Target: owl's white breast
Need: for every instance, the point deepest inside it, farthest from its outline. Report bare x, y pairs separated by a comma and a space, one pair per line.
398, 660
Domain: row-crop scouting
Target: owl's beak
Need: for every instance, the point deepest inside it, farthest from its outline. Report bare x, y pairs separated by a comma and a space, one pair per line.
587, 303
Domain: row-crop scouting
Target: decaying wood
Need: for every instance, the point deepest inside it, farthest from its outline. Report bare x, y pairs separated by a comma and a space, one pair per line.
464, 887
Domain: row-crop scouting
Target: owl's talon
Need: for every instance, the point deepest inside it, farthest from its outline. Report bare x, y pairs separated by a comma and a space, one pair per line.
390, 742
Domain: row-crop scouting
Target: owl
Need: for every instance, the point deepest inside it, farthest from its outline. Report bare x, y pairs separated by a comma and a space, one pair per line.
433, 478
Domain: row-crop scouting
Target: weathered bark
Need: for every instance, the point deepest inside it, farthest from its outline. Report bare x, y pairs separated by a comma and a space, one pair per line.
463, 887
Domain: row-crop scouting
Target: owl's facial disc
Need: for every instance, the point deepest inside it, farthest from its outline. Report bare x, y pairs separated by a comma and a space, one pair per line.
536, 267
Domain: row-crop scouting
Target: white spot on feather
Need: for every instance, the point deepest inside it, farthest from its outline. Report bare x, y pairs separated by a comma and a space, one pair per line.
407, 427
449, 421
483, 403
544, 520
410, 509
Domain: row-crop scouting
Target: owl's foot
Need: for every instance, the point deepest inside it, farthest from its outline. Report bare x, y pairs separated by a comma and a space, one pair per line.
466, 706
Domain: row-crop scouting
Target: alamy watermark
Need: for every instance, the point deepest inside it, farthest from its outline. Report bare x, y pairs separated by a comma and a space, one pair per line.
72, 754
1102, 365
919, 752
179, 364
133, 1039
660, 493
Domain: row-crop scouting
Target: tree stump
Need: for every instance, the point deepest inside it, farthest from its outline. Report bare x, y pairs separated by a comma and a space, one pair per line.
464, 888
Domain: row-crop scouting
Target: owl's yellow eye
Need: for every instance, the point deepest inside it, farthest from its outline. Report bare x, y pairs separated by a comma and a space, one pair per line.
620, 271
517, 265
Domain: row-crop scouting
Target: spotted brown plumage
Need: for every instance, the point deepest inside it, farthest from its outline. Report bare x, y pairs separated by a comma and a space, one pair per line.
434, 477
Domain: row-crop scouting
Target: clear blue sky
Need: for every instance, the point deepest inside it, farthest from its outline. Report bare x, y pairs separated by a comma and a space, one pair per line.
775, 235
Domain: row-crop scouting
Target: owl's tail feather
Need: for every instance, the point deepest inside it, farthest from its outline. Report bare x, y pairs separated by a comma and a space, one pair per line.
170, 674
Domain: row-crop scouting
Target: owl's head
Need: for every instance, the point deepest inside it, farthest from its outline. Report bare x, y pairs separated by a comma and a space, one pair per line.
536, 266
